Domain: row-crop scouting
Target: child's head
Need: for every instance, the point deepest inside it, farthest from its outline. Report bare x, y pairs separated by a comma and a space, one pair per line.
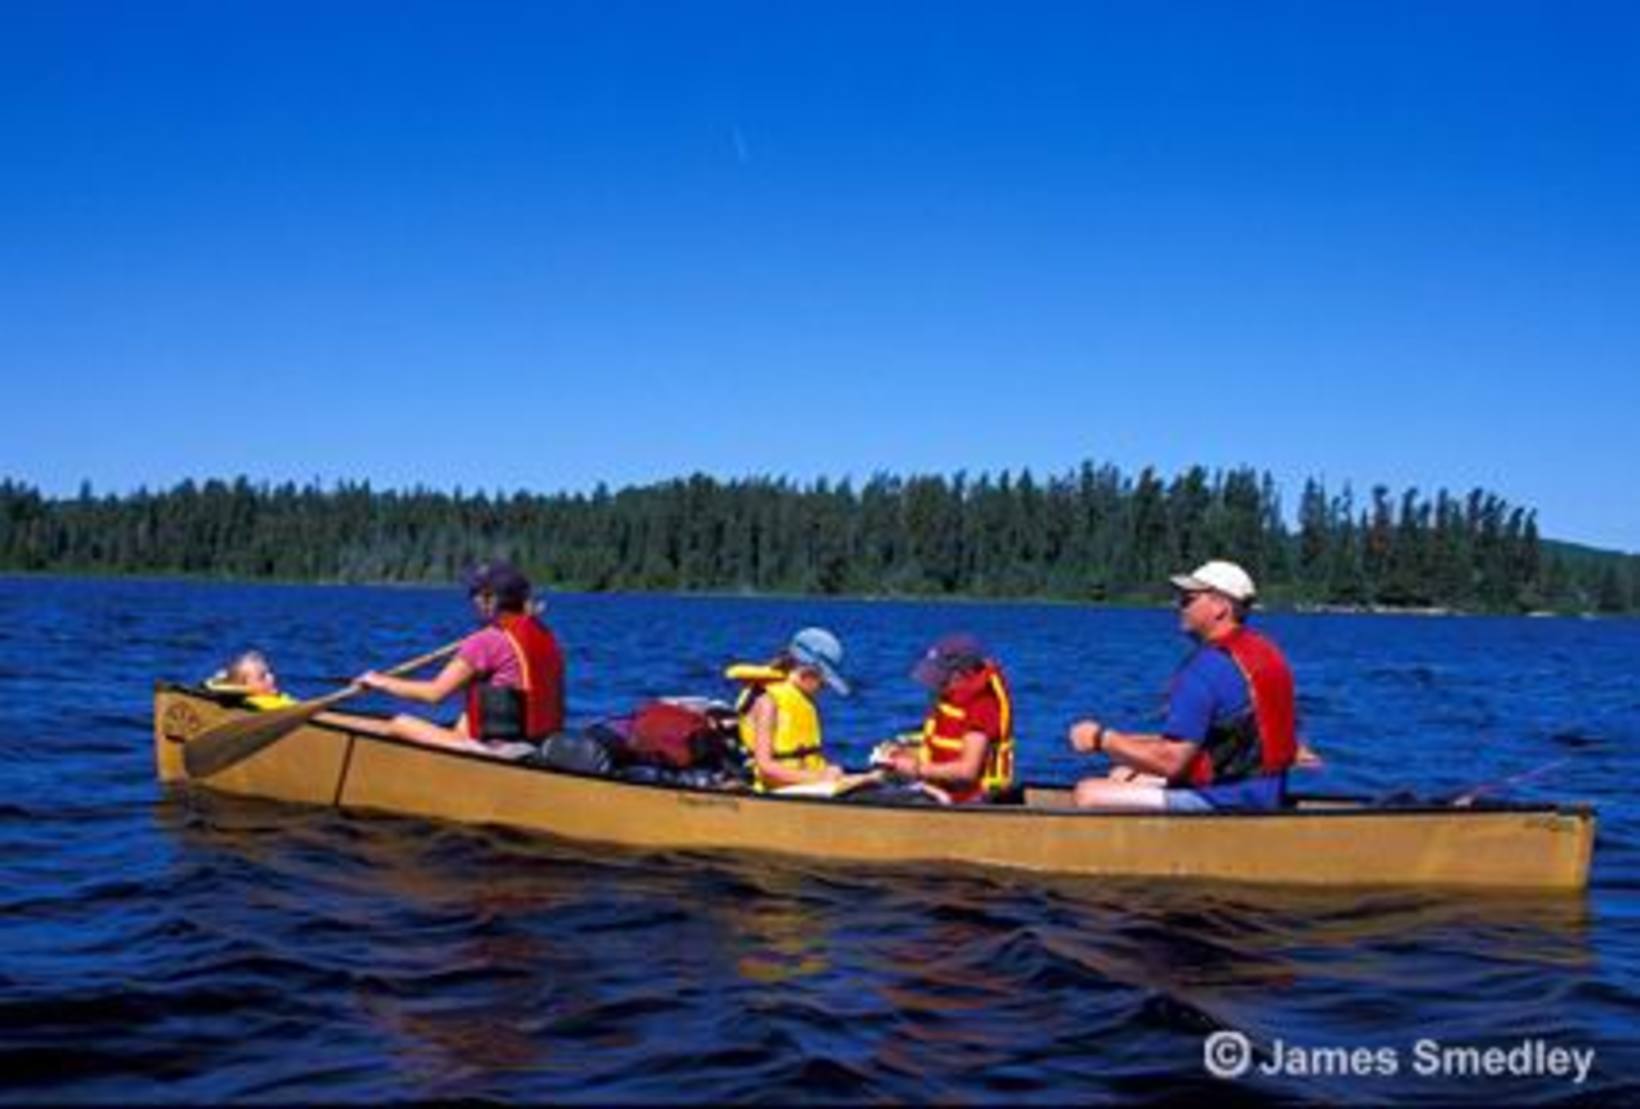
251, 670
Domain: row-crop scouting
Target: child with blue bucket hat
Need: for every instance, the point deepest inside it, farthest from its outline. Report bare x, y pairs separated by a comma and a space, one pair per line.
778, 711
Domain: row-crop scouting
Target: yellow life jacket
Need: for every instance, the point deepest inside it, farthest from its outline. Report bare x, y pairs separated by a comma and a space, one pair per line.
266, 701
796, 740
262, 702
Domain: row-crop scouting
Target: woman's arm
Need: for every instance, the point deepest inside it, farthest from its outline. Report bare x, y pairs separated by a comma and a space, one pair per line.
455, 675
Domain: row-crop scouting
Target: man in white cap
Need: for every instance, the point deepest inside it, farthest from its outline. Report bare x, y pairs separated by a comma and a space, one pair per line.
1230, 733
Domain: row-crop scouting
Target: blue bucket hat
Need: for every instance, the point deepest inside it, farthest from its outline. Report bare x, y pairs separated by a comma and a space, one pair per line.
820, 649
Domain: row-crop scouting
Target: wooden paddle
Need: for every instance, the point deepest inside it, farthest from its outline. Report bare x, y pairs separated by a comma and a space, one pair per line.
215, 750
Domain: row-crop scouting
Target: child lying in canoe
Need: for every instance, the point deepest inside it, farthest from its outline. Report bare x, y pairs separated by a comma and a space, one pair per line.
250, 675
251, 678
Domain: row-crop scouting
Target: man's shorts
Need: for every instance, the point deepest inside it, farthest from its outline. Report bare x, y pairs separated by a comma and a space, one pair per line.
1259, 794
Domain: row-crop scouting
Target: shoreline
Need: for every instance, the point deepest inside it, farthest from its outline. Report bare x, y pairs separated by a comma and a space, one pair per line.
1299, 608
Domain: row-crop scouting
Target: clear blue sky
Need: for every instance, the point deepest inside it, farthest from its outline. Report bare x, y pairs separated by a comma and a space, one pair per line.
539, 245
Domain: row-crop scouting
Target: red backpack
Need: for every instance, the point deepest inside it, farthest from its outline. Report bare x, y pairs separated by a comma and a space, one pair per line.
665, 733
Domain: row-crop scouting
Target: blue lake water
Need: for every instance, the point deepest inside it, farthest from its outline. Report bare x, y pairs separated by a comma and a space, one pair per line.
157, 947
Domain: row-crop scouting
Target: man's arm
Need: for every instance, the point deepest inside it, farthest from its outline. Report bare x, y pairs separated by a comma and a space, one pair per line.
1143, 751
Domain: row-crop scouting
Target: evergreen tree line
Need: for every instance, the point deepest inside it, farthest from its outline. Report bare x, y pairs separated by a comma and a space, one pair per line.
1092, 533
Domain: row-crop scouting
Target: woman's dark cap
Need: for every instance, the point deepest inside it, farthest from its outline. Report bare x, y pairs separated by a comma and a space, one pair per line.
499, 578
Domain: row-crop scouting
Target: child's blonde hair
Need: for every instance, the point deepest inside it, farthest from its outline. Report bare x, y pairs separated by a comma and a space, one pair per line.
235, 672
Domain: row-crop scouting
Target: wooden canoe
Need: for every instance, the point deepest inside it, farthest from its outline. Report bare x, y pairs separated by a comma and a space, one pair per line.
1319, 842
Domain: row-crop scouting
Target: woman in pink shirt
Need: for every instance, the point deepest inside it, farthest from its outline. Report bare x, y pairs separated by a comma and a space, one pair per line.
511, 669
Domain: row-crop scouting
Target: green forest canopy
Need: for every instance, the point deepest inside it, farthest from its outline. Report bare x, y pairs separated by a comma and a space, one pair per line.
1093, 533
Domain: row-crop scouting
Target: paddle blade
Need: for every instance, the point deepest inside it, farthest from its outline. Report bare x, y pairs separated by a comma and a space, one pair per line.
214, 751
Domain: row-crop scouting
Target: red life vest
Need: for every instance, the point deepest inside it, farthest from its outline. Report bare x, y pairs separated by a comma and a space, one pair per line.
540, 693
1264, 741
953, 717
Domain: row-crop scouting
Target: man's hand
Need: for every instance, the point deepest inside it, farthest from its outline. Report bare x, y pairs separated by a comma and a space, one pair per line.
1085, 736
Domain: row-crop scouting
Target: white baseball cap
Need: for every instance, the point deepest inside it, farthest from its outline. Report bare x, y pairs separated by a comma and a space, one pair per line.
1220, 577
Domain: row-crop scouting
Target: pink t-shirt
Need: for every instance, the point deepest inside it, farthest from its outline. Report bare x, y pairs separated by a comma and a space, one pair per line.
490, 652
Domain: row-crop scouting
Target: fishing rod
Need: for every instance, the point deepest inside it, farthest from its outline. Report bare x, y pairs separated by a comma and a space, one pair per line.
1466, 799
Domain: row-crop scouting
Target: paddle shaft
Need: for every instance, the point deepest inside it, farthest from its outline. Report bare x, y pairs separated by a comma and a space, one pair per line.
215, 750
398, 671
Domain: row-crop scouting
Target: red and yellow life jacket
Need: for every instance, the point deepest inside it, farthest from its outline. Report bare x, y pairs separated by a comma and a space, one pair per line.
1265, 740
539, 698
953, 717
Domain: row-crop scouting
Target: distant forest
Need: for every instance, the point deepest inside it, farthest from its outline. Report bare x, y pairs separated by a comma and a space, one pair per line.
1094, 533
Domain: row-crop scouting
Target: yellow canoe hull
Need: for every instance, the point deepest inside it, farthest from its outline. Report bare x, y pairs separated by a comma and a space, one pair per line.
1337, 843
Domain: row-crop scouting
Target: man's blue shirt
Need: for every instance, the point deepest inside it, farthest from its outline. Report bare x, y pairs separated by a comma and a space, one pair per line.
1208, 689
